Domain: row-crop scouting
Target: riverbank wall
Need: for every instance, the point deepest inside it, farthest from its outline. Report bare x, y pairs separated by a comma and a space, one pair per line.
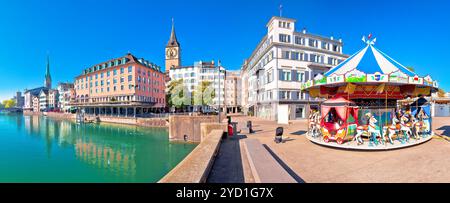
144, 122
189, 128
195, 168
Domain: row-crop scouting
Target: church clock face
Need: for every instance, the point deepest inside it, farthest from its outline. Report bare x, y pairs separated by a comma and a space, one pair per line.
171, 53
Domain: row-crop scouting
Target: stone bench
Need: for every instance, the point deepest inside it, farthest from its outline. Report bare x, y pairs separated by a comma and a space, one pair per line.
264, 167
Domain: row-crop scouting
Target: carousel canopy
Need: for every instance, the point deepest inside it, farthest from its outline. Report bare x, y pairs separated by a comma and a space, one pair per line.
369, 73
369, 60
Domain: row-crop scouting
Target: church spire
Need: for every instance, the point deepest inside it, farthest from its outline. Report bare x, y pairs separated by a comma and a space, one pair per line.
173, 42
48, 77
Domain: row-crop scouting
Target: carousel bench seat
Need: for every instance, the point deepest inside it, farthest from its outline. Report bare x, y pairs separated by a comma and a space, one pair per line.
264, 167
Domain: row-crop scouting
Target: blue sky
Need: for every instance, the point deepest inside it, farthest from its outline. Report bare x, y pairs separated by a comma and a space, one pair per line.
80, 33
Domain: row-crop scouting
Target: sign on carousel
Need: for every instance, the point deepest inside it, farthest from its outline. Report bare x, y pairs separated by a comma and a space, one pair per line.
335, 79
398, 77
377, 77
416, 80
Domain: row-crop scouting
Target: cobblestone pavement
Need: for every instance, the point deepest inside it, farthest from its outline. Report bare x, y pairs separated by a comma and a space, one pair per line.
428, 162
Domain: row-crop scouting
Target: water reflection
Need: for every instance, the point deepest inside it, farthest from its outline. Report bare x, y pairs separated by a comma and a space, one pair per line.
117, 153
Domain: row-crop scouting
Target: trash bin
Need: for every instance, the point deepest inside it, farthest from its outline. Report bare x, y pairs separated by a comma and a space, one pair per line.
230, 130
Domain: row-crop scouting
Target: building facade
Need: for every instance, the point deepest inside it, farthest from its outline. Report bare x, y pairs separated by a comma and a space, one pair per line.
65, 92
233, 90
195, 75
20, 100
282, 60
123, 86
32, 101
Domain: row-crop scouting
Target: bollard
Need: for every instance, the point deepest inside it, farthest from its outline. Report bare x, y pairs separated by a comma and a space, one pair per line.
279, 135
249, 126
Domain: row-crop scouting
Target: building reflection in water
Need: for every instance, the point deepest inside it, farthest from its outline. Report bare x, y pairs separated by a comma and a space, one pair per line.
89, 143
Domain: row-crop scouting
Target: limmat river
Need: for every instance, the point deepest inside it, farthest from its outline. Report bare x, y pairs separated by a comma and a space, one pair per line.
40, 149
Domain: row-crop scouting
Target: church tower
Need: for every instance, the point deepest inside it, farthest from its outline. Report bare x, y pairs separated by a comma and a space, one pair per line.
48, 77
173, 55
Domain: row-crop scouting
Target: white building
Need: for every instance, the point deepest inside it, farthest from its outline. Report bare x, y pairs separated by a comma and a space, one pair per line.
64, 90
284, 58
202, 71
233, 88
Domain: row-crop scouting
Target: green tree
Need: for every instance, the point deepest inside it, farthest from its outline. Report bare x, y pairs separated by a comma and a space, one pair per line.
204, 94
9, 103
410, 68
177, 95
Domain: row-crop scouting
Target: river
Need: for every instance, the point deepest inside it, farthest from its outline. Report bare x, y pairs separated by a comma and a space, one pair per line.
40, 149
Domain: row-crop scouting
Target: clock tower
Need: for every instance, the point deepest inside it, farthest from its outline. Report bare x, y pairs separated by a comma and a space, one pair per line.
173, 55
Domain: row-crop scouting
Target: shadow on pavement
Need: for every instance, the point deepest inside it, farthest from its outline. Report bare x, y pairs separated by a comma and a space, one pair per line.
285, 166
227, 167
446, 130
300, 132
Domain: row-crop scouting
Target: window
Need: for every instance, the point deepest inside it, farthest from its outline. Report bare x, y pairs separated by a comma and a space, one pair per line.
287, 75
101, 75
101, 83
122, 80
107, 73
300, 76
285, 54
312, 43
122, 70
115, 72
335, 47
108, 82
299, 40
114, 81
313, 58
294, 55
324, 45
285, 95
115, 88
130, 78
285, 38
121, 87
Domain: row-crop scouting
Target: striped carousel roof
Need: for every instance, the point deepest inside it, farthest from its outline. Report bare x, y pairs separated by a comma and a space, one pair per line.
369, 60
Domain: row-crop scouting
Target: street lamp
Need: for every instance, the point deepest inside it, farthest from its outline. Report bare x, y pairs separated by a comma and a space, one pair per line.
218, 67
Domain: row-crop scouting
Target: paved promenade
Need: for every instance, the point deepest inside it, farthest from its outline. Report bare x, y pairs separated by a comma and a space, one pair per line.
309, 162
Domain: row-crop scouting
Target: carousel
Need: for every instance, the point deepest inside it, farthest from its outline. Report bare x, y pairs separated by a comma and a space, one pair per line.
361, 111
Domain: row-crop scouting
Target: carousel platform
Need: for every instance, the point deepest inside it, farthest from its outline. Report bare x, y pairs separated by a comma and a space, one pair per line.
368, 146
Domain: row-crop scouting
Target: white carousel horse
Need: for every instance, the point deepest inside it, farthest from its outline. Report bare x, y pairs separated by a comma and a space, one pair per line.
405, 127
390, 130
373, 128
313, 124
360, 130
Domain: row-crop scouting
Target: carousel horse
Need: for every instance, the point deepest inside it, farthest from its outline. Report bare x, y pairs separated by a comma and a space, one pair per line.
360, 130
373, 130
314, 124
419, 124
390, 130
405, 127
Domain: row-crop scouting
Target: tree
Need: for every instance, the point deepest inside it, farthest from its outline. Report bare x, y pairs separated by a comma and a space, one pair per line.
204, 94
177, 95
10, 103
410, 68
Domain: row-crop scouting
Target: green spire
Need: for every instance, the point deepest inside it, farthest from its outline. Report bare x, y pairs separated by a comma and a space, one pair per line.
47, 72
48, 77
